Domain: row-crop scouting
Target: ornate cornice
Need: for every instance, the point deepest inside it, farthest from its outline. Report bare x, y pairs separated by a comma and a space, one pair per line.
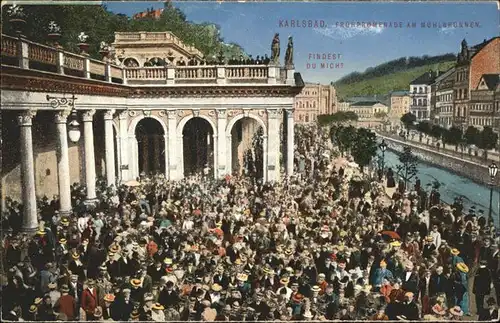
273, 113
24, 118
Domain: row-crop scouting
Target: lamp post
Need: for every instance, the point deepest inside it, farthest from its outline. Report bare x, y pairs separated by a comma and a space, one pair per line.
382, 147
73, 125
493, 170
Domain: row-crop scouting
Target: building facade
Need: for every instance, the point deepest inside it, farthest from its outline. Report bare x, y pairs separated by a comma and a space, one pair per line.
400, 105
421, 95
483, 105
314, 100
132, 126
443, 104
369, 109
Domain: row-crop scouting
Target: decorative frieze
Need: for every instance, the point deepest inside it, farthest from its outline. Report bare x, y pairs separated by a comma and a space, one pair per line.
196, 112
273, 113
24, 118
147, 113
221, 113
123, 115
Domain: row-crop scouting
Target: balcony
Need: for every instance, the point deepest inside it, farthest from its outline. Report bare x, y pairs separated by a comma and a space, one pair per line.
29, 55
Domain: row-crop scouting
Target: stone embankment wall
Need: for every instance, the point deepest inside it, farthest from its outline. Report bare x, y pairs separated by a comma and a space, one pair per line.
474, 171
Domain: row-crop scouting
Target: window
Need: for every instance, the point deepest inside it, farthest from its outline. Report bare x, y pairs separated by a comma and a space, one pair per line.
307, 118
425, 102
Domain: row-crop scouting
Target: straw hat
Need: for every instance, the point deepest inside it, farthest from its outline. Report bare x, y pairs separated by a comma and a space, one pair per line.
456, 311
284, 280
455, 251
242, 277
38, 300
462, 267
114, 248
216, 287
33, 308
62, 241
109, 298
41, 232
135, 314
135, 282
316, 288
408, 294
168, 261
65, 222
438, 309
75, 255
52, 285
64, 288
429, 238
85, 242
396, 243
158, 306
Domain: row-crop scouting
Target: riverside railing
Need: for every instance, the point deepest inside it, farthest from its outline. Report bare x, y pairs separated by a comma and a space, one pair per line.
26, 54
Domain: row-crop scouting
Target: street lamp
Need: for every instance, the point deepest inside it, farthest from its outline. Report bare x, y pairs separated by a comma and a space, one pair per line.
493, 170
73, 125
382, 147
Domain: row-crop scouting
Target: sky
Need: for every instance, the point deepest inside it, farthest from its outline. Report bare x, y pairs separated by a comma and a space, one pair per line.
253, 25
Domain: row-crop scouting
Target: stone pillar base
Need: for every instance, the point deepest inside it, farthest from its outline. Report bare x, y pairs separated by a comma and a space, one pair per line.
30, 230
91, 202
65, 213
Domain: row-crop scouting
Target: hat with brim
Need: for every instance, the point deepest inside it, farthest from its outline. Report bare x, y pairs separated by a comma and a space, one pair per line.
64, 221
242, 277
455, 251
114, 248
75, 255
437, 309
284, 280
134, 315
38, 300
158, 307
90, 281
462, 267
456, 311
64, 288
85, 242
429, 239
52, 285
316, 288
33, 308
41, 232
63, 240
168, 261
396, 243
109, 298
216, 287
135, 282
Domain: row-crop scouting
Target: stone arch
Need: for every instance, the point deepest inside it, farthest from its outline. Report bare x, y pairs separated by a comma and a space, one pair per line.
182, 123
138, 61
235, 119
137, 119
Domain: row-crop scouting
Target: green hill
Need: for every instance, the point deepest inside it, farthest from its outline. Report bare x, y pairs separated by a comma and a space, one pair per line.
391, 76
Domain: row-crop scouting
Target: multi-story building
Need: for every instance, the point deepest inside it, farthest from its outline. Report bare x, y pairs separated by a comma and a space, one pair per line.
313, 100
443, 105
420, 95
472, 63
483, 105
344, 105
369, 109
400, 105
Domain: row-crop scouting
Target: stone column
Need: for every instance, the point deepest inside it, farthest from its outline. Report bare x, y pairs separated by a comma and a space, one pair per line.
145, 155
273, 145
290, 142
109, 148
222, 145
90, 175
157, 152
173, 149
63, 176
124, 147
30, 217
264, 161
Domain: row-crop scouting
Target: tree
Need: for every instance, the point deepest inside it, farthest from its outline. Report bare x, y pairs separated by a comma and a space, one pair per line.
408, 119
343, 136
407, 168
365, 147
487, 139
453, 136
337, 117
436, 131
471, 136
424, 127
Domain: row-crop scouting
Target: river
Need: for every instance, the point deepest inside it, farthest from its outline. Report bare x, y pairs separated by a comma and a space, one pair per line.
453, 185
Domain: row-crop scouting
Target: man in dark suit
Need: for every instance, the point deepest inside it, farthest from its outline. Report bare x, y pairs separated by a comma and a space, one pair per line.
168, 297
437, 283
122, 307
221, 279
410, 279
482, 285
491, 313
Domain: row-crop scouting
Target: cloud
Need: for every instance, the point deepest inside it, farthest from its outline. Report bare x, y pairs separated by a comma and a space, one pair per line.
447, 30
342, 33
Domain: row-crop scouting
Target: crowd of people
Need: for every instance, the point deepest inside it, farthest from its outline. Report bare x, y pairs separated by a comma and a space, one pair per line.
324, 244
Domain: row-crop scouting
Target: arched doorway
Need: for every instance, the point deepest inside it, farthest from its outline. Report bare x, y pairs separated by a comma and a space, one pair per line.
198, 147
247, 148
151, 146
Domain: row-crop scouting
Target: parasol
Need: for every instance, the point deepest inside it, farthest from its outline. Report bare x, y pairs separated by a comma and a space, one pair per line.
132, 183
391, 234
